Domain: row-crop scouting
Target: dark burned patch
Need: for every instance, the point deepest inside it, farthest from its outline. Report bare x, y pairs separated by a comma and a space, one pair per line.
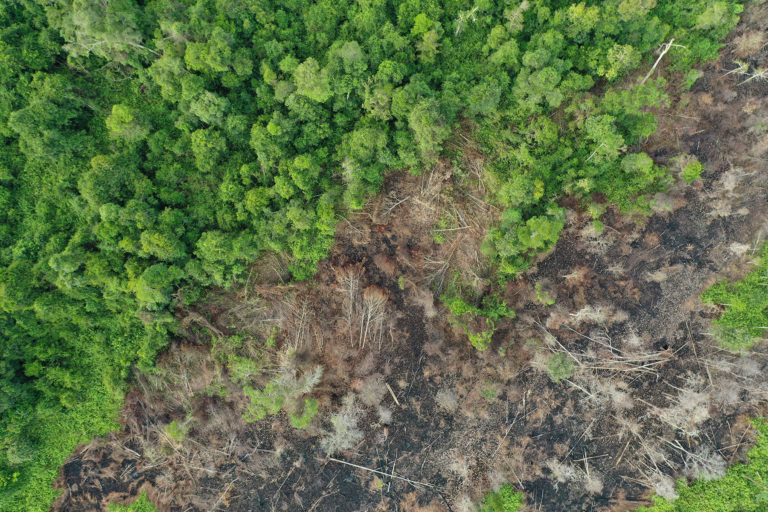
650, 390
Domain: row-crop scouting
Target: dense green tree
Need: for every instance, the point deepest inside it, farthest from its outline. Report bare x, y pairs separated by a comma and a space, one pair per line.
106, 29
123, 123
311, 81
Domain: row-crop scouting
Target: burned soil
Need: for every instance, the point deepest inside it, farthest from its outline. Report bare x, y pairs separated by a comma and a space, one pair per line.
652, 398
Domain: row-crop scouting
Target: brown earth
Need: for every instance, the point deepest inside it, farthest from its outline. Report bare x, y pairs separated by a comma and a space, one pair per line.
653, 398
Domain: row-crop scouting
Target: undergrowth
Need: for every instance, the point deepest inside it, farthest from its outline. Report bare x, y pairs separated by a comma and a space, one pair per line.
246, 360
745, 318
744, 488
477, 322
506, 499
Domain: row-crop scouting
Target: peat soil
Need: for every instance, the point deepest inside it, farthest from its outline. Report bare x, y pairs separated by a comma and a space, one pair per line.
652, 398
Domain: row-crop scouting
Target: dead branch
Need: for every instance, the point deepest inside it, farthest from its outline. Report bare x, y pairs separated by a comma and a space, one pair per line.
664, 49
390, 475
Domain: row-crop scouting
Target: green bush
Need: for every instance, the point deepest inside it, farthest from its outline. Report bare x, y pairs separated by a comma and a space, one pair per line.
560, 367
505, 499
744, 320
302, 420
177, 431
284, 391
489, 312
692, 171
543, 296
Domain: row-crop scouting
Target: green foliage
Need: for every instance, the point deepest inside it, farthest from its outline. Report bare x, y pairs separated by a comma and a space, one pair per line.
490, 311
481, 340
303, 419
123, 124
744, 321
243, 369
284, 391
688, 167
108, 30
245, 363
489, 391
142, 504
692, 171
311, 81
742, 489
505, 499
267, 401
690, 78
177, 431
543, 296
514, 241
560, 367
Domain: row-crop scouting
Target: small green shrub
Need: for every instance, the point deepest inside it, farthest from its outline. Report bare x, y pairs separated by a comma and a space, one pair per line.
735, 339
303, 419
491, 310
481, 340
489, 391
688, 166
177, 430
560, 367
243, 369
692, 171
505, 499
743, 322
543, 295
691, 76
265, 401
284, 391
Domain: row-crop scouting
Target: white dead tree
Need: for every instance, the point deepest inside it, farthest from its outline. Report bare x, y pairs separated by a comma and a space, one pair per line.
372, 320
664, 49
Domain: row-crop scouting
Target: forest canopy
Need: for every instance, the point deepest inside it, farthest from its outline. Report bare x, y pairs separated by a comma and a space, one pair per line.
150, 149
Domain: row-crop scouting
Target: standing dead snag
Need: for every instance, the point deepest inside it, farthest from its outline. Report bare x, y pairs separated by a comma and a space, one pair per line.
298, 319
664, 49
372, 320
349, 282
363, 310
